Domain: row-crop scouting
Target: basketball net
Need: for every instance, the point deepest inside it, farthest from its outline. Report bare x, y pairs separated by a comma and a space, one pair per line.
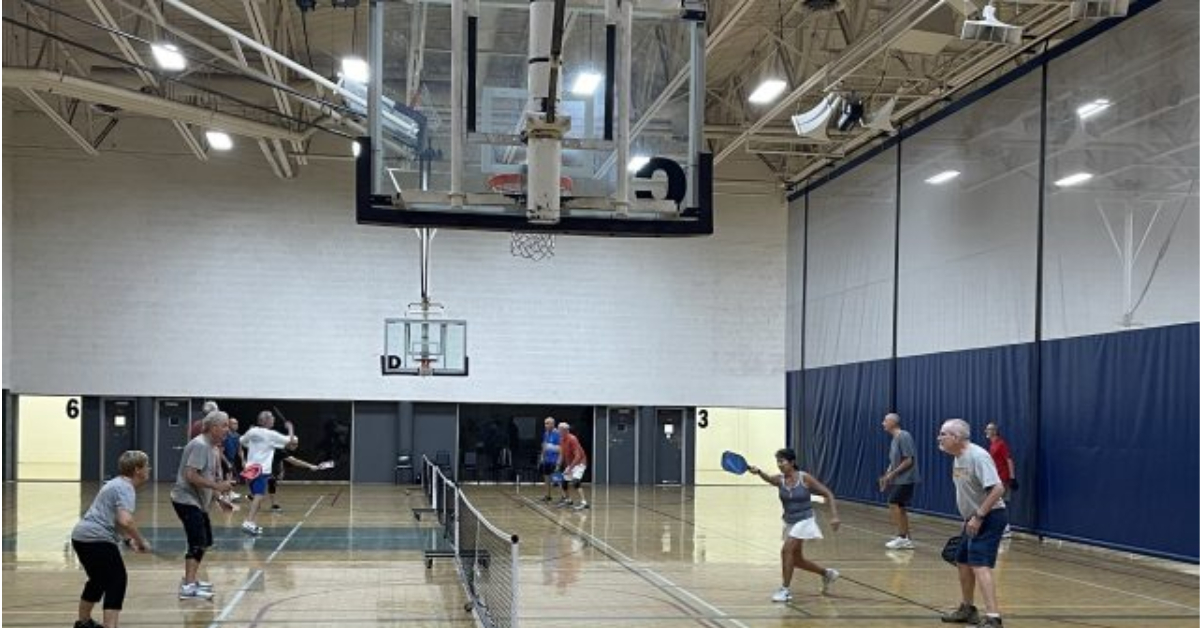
528, 245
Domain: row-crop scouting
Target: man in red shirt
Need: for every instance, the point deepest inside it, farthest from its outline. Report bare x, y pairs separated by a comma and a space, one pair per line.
573, 462
998, 448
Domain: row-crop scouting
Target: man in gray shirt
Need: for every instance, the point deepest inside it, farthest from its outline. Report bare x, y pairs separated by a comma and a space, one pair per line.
979, 494
198, 476
900, 479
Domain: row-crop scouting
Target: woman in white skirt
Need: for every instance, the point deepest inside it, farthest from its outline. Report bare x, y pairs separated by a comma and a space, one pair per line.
795, 493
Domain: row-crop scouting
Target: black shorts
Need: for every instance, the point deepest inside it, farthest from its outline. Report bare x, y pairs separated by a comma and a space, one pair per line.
196, 525
547, 468
900, 494
105, 570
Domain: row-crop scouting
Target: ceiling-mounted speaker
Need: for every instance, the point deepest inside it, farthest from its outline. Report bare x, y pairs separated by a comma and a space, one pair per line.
851, 113
880, 119
991, 30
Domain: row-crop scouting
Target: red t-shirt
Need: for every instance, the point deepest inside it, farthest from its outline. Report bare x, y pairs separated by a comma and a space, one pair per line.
1000, 455
572, 452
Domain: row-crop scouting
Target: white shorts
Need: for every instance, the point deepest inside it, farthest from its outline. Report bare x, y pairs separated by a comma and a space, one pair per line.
805, 529
575, 473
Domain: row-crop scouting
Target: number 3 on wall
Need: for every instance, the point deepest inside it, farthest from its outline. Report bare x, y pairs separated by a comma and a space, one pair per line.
73, 409
702, 418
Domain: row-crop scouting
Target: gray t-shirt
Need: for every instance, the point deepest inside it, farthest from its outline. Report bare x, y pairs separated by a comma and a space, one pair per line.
198, 454
904, 447
974, 473
99, 523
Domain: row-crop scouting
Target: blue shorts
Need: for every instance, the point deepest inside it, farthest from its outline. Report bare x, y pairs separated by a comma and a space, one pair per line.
258, 486
980, 550
547, 468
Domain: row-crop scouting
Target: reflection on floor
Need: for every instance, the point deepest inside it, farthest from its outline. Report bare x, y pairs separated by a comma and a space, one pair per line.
352, 556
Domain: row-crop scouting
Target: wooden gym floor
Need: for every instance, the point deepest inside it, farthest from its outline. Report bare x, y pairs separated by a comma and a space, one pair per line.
341, 555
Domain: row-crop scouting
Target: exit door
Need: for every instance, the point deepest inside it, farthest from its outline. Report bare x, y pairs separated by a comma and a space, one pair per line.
668, 452
118, 423
172, 417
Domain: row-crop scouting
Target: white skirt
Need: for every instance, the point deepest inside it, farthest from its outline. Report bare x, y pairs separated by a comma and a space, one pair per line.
805, 529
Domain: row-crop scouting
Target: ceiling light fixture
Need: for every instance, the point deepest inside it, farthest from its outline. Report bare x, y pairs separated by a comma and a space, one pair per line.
356, 69
218, 140
1073, 179
1090, 109
586, 83
943, 177
767, 91
168, 57
637, 162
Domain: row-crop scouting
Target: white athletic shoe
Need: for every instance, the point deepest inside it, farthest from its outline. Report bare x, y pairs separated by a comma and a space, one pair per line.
193, 592
782, 595
250, 528
828, 578
1007, 533
207, 586
899, 543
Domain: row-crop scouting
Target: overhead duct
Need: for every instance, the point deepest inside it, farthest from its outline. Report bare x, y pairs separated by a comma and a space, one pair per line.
138, 102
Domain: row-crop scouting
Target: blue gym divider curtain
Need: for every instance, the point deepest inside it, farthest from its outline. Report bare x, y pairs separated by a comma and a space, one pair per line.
1112, 459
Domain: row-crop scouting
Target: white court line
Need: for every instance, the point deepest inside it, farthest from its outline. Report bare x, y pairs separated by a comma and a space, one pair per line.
241, 592
629, 563
1115, 590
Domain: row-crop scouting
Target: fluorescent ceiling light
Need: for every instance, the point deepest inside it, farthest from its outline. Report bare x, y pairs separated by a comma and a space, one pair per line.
943, 177
219, 140
586, 83
168, 57
636, 162
355, 69
1090, 109
356, 148
767, 91
1073, 179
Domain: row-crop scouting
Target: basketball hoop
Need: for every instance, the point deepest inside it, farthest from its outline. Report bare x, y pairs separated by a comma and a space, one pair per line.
527, 245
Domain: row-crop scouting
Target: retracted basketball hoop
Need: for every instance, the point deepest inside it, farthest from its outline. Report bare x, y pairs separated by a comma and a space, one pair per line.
525, 244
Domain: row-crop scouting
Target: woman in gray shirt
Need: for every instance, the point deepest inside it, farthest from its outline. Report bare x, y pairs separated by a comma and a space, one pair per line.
97, 537
799, 524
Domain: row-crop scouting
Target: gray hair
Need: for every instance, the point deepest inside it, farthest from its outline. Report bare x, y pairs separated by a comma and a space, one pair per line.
265, 416
564, 426
960, 427
213, 419
209, 407
130, 461
893, 416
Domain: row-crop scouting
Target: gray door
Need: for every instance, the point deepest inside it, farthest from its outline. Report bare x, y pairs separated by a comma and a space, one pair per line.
435, 434
118, 423
622, 446
170, 435
668, 452
376, 432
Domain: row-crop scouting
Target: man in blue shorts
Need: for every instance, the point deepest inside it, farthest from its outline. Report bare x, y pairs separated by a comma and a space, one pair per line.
979, 494
548, 458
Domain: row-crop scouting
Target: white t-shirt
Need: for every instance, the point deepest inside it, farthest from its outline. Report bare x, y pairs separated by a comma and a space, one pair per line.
260, 444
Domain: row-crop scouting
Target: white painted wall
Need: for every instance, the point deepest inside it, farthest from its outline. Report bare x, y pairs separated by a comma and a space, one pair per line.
146, 272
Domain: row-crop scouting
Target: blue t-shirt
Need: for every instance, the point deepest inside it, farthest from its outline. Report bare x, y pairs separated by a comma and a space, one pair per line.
231, 447
550, 447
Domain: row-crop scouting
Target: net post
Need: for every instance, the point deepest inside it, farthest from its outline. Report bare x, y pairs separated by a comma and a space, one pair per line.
516, 581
